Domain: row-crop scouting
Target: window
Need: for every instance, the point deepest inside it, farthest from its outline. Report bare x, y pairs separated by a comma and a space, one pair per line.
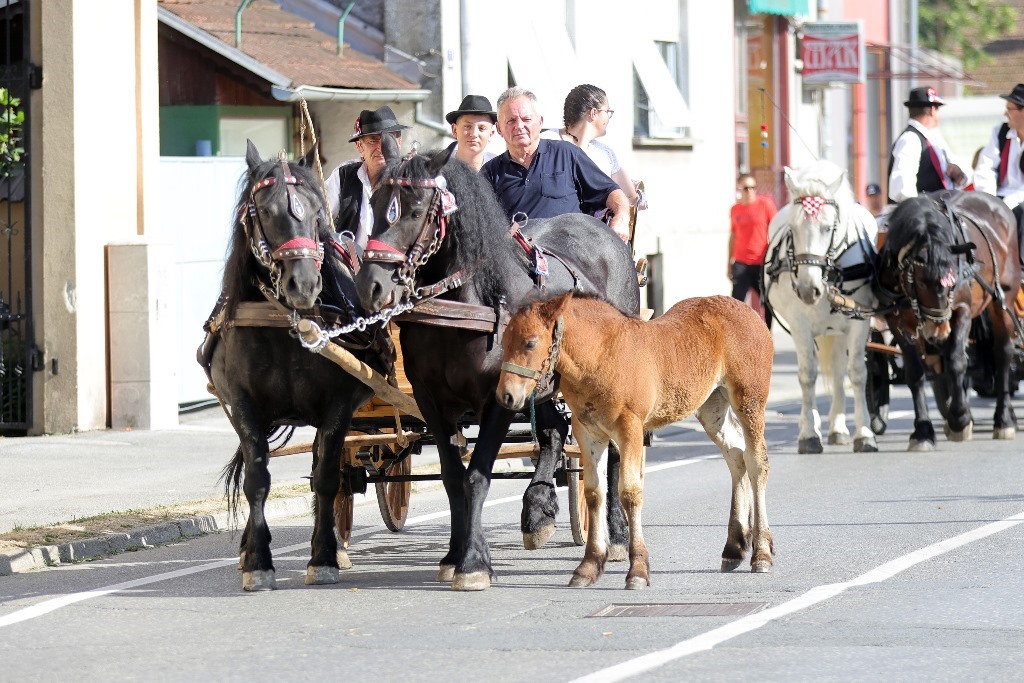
661, 72
268, 134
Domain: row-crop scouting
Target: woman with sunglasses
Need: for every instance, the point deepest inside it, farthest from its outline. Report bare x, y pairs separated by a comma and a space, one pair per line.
586, 115
748, 242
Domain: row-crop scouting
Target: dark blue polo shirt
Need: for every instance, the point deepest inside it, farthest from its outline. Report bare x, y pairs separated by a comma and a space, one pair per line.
561, 179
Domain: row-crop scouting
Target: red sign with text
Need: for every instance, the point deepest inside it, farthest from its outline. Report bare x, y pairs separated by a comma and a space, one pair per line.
832, 53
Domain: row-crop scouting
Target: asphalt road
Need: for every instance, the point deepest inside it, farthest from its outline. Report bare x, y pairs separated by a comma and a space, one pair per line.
889, 566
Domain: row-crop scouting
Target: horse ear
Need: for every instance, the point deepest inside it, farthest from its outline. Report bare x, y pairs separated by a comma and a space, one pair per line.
389, 147
309, 161
439, 160
252, 155
789, 175
836, 185
555, 307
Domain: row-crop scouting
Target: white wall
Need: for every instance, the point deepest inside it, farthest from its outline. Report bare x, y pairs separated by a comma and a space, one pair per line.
197, 199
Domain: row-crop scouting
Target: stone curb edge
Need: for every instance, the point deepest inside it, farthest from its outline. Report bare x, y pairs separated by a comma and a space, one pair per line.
18, 561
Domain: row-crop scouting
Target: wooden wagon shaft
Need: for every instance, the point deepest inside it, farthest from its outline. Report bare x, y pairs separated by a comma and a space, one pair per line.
310, 333
350, 442
884, 348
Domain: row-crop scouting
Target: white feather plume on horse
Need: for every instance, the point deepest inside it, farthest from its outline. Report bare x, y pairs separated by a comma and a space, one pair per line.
823, 241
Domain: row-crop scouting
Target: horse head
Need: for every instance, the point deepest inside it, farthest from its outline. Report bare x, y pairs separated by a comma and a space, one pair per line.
822, 197
411, 207
924, 261
530, 350
282, 214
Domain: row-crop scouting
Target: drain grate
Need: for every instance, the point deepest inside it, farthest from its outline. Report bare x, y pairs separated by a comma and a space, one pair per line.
682, 609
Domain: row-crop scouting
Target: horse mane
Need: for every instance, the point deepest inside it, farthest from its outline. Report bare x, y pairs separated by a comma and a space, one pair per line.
241, 270
478, 229
919, 223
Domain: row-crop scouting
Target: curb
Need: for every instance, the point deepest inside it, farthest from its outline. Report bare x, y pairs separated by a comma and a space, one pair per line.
38, 557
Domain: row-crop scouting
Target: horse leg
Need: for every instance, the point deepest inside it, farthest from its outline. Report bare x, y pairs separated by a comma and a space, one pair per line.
631, 492
959, 423
724, 429
923, 436
1004, 424
838, 433
618, 528
323, 562
809, 440
257, 561
540, 501
856, 340
473, 572
594, 449
453, 476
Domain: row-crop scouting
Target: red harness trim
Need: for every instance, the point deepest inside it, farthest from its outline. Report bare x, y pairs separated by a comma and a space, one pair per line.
377, 245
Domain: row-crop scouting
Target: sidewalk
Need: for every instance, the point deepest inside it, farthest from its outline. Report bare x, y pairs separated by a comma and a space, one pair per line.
48, 480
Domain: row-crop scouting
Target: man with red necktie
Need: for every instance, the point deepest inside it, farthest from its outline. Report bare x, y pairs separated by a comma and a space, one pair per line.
1000, 167
920, 160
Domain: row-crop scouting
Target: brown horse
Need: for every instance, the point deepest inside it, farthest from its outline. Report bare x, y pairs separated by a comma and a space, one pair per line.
948, 257
621, 376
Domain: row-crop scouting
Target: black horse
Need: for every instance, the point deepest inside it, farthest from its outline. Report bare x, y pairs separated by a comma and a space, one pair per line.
262, 374
948, 257
454, 371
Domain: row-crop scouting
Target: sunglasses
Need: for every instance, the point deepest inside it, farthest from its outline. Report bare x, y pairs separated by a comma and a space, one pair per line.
748, 187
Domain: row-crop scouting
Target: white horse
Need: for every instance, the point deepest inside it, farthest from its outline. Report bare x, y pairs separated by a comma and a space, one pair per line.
822, 249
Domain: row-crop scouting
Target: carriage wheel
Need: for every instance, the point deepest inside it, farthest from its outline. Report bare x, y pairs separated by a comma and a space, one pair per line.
579, 520
393, 496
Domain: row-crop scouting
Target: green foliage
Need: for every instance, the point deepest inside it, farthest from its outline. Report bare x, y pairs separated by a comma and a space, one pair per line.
962, 27
12, 119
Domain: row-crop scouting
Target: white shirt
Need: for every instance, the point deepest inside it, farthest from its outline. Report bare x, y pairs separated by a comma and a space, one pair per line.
986, 173
600, 153
333, 185
907, 159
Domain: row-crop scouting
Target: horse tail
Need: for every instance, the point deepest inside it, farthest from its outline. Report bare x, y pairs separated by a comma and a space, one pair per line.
231, 475
826, 344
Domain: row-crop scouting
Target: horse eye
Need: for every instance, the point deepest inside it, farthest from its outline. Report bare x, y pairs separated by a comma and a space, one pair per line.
532, 344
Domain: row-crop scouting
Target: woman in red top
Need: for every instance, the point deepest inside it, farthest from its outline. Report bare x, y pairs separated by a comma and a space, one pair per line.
748, 240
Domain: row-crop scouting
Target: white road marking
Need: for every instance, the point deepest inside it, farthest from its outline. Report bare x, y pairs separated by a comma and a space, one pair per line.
706, 641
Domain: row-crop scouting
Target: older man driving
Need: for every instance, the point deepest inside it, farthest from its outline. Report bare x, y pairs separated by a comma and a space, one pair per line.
547, 178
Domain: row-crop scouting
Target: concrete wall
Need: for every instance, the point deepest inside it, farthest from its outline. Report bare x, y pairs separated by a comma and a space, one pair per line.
96, 137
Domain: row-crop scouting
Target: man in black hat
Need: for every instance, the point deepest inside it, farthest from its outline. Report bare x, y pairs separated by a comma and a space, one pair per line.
1000, 167
349, 186
472, 127
920, 160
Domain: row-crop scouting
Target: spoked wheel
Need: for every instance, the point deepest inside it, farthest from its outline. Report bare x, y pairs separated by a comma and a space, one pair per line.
393, 496
579, 520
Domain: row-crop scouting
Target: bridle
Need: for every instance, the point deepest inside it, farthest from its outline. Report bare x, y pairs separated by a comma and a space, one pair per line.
907, 261
812, 207
543, 376
295, 249
431, 233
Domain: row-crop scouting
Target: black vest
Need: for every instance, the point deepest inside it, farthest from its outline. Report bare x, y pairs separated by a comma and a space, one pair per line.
928, 178
350, 198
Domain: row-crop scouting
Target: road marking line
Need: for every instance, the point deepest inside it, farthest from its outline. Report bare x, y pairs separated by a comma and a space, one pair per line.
708, 640
54, 604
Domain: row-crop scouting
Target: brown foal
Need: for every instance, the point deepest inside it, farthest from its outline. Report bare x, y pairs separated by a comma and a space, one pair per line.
711, 356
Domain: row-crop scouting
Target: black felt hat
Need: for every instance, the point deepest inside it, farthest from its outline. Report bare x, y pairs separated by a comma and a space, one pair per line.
472, 104
374, 122
925, 96
1016, 95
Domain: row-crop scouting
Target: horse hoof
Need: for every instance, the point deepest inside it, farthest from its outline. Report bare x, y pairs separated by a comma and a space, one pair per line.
811, 445
1004, 433
580, 581
838, 439
617, 553
473, 581
343, 561
729, 564
878, 425
760, 567
262, 580
921, 446
637, 583
964, 435
319, 576
537, 539
446, 573
865, 445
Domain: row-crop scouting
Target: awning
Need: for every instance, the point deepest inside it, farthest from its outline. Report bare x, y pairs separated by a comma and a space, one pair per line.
662, 91
783, 7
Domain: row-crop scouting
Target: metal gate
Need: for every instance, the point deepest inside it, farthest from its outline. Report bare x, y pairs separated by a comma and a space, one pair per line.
17, 344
